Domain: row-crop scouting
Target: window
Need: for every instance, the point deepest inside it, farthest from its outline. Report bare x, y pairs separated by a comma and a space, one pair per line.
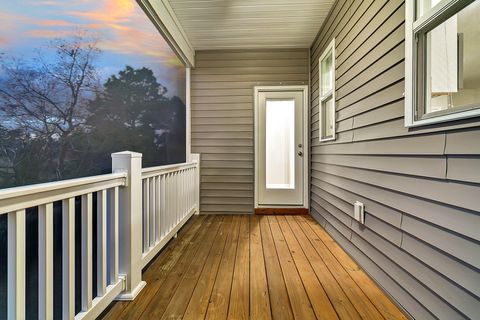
442, 75
327, 93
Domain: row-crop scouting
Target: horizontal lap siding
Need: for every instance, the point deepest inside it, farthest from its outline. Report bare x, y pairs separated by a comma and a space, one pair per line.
222, 118
420, 187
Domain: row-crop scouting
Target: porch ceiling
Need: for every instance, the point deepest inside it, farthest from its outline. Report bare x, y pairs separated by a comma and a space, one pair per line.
235, 24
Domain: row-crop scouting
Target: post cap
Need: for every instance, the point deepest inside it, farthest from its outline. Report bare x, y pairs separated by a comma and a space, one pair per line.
128, 154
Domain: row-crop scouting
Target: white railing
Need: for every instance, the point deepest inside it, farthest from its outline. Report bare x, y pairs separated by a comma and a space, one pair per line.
169, 195
169, 200
15, 201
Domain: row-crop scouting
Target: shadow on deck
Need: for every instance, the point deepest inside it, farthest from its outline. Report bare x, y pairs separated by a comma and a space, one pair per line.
257, 267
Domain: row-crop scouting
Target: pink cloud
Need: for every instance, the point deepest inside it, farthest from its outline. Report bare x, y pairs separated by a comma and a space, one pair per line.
130, 30
112, 11
46, 33
53, 3
54, 23
120, 25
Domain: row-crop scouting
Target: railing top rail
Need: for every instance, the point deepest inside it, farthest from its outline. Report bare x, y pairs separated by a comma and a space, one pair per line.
153, 171
29, 196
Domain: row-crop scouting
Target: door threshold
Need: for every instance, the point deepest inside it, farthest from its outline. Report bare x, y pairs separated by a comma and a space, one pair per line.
272, 211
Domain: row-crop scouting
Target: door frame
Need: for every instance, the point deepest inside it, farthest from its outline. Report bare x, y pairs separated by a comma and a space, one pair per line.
306, 148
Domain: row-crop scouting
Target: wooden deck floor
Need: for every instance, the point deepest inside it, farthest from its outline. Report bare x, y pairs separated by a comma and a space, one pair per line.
255, 267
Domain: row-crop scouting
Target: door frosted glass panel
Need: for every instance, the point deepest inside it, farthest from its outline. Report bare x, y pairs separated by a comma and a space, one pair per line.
280, 144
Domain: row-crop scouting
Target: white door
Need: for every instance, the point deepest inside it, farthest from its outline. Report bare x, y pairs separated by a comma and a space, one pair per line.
280, 139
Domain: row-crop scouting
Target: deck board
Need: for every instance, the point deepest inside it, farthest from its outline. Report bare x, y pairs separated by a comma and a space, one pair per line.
259, 298
220, 297
239, 296
255, 267
279, 301
318, 298
198, 304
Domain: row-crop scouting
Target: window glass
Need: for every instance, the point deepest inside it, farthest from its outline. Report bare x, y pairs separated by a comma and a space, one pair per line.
328, 112
327, 93
280, 144
452, 73
327, 73
423, 6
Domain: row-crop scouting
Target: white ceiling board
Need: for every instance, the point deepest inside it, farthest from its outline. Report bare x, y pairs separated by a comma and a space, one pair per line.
243, 24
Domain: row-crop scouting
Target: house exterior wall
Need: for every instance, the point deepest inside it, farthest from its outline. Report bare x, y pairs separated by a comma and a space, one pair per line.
421, 187
222, 126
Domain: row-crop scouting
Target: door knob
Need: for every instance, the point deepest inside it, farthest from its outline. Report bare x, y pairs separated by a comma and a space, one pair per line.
300, 153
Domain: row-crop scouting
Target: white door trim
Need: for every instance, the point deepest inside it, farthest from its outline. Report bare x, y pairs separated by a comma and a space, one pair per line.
306, 148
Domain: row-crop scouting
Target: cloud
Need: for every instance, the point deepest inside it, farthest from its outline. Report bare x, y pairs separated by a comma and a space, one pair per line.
52, 34
9, 23
121, 26
112, 12
54, 23
128, 30
56, 3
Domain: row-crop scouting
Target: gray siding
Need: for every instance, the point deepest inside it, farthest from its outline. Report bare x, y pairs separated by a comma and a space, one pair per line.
222, 118
421, 187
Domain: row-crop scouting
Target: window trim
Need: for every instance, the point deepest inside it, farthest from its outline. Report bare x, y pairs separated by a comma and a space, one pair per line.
327, 95
437, 15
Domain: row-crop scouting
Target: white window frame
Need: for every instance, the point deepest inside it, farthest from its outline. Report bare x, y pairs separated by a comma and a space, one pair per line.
327, 95
432, 18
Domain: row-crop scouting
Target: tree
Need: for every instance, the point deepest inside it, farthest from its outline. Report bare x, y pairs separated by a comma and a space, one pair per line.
47, 101
131, 113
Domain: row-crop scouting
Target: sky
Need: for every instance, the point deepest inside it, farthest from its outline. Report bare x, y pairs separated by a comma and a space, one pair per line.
127, 36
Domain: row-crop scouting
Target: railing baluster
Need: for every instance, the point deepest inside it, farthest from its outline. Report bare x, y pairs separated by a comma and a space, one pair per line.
183, 198
168, 203
175, 200
171, 198
187, 184
45, 261
146, 210
189, 193
192, 187
157, 208
115, 204
180, 196
101, 242
175, 196
151, 215
112, 253
16, 265
162, 206
190, 190
174, 205
68, 258
86, 251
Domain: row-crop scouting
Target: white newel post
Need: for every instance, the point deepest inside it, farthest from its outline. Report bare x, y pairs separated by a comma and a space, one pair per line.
195, 157
130, 222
